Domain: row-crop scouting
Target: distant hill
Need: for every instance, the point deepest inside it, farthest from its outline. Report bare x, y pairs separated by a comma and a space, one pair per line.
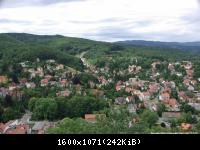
17, 47
190, 46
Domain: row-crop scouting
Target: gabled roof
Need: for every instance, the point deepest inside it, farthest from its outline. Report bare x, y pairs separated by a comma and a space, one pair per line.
90, 117
186, 126
20, 129
39, 125
171, 114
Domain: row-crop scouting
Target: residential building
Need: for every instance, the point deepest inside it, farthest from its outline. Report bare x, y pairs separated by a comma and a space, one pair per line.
164, 96
182, 96
171, 115
40, 127
3, 79
171, 102
144, 96
64, 93
90, 118
195, 105
93, 117
44, 82
120, 101
186, 126
30, 85
132, 108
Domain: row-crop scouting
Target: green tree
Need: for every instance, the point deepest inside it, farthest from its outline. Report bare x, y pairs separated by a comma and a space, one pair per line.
8, 101
174, 94
160, 109
73, 126
149, 117
10, 114
44, 108
31, 104
86, 77
187, 108
1, 113
78, 106
140, 127
198, 127
187, 118
174, 123
115, 121
63, 110
160, 67
115, 47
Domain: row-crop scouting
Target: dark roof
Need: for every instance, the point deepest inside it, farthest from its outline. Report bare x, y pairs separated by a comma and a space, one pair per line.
39, 125
171, 114
120, 100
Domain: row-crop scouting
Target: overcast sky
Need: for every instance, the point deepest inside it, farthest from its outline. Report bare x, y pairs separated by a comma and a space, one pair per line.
104, 20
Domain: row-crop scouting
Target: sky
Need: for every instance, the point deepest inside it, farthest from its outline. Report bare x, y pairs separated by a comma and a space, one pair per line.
104, 20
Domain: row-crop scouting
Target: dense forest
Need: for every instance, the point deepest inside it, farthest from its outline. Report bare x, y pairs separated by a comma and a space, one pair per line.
17, 47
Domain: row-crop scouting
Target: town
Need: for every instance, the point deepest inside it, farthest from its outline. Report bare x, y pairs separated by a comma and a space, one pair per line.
169, 100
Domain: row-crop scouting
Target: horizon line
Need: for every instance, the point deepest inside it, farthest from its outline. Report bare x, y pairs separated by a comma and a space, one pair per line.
37, 34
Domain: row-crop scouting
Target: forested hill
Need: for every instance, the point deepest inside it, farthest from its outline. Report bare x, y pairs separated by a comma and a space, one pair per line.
187, 46
16, 47
70, 44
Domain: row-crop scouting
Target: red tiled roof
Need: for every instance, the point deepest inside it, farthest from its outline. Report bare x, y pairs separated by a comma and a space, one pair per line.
153, 88
128, 89
44, 81
165, 95
118, 88
183, 96
3, 79
167, 90
65, 93
90, 117
48, 77
2, 127
23, 80
186, 126
21, 129
146, 94
186, 81
171, 102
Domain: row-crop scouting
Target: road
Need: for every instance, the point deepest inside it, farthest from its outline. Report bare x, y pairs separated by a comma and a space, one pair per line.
85, 63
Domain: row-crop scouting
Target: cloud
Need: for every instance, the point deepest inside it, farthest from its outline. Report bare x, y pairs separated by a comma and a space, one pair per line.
120, 34
24, 3
106, 20
9, 21
127, 30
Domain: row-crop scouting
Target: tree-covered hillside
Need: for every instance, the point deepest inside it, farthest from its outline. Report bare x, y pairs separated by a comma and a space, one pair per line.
18, 47
185, 46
